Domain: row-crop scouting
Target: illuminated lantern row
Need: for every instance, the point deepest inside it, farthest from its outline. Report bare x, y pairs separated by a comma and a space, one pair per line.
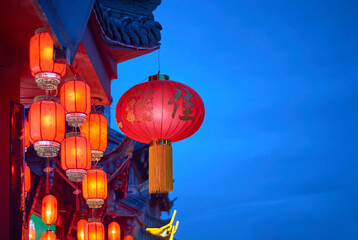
94, 230
95, 130
114, 231
81, 229
75, 156
27, 179
47, 125
94, 188
159, 112
75, 96
128, 237
49, 209
47, 73
32, 230
48, 235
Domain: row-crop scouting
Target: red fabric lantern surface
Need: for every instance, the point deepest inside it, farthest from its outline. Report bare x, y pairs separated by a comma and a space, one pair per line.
159, 112
114, 231
94, 230
48, 235
49, 209
128, 237
26, 135
81, 229
94, 188
47, 73
27, 181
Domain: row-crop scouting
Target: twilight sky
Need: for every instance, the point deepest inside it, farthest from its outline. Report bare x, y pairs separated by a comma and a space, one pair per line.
276, 157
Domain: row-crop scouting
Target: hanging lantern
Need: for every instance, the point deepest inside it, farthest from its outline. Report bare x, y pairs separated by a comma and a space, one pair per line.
75, 156
81, 229
95, 129
48, 235
158, 113
32, 230
49, 209
47, 73
114, 231
26, 135
94, 230
128, 237
94, 188
76, 98
47, 125
27, 179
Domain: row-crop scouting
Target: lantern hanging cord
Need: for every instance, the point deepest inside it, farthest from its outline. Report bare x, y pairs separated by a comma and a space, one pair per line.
48, 177
158, 61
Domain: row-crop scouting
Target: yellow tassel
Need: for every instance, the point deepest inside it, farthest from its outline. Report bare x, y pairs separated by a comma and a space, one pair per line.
160, 166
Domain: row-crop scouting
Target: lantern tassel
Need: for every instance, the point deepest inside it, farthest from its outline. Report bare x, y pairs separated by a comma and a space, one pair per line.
160, 166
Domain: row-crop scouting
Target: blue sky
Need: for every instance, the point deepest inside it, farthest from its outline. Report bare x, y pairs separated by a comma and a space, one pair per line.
276, 156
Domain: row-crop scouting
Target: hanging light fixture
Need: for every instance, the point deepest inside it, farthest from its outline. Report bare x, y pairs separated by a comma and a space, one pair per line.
114, 231
159, 112
27, 179
81, 229
47, 125
128, 237
94, 230
32, 230
26, 135
48, 235
94, 188
95, 130
49, 209
75, 96
75, 156
47, 73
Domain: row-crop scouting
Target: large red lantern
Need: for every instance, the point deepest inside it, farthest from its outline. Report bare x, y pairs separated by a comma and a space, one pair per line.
48, 235
47, 73
114, 231
75, 156
159, 112
128, 237
75, 96
95, 130
49, 209
81, 229
47, 125
94, 188
94, 230
32, 230
27, 179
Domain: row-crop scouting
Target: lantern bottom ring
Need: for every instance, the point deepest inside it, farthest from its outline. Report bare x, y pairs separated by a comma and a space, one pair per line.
95, 202
96, 155
47, 148
76, 175
47, 80
75, 119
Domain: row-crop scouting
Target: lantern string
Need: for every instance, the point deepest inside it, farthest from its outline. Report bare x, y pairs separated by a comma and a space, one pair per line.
48, 177
158, 61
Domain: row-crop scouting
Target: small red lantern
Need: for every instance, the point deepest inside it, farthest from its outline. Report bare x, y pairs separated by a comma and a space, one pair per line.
48, 235
95, 129
47, 73
94, 188
81, 229
114, 231
26, 135
76, 98
47, 125
158, 113
94, 230
128, 237
32, 230
27, 179
75, 156
49, 209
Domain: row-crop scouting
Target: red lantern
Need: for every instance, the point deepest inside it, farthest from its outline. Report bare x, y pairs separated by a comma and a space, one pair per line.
75, 156
94, 188
94, 230
114, 231
26, 135
128, 237
47, 73
81, 229
95, 130
32, 230
159, 112
49, 209
47, 125
48, 235
27, 179
76, 98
